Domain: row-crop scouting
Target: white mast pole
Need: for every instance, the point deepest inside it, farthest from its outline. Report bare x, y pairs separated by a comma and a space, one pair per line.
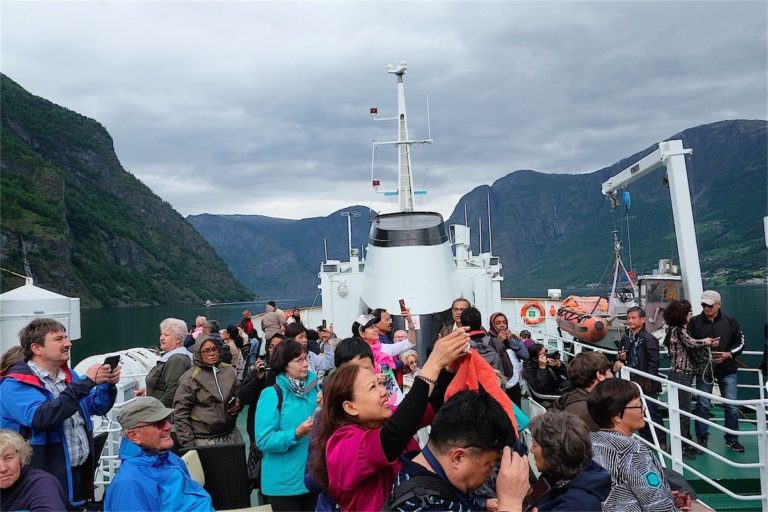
404, 177
490, 230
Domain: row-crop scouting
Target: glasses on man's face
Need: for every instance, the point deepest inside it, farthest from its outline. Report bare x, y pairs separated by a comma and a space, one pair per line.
159, 424
707, 306
209, 351
300, 360
635, 407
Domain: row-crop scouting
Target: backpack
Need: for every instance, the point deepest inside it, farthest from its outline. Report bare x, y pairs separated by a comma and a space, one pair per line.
423, 487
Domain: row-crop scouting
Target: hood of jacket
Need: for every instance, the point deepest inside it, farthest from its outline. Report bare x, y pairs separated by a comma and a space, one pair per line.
196, 351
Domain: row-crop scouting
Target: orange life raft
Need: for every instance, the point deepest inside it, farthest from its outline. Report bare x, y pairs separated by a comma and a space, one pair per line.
579, 317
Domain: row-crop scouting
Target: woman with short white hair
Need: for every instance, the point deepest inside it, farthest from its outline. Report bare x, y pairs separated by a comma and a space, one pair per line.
23, 487
163, 379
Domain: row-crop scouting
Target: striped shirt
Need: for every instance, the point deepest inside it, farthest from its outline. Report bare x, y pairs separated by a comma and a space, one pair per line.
638, 482
74, 426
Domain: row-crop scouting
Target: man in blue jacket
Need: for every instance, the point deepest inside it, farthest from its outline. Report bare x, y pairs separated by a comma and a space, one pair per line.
151, 477
51, 406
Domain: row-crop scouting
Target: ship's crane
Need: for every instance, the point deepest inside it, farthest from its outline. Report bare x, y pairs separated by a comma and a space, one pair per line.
671, 155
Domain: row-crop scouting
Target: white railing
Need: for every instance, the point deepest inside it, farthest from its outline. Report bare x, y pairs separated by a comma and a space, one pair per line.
675, 456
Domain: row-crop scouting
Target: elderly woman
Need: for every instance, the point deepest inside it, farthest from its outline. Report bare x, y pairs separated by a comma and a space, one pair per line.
163, 379
410, 360
570, 479
512, 353
638, 480
23, 487
283, 419
206, 401
360, 438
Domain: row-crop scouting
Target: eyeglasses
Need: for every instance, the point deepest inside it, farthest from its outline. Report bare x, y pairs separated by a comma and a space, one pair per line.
635, 407
211, 350
159, 424
300, 360
708, 306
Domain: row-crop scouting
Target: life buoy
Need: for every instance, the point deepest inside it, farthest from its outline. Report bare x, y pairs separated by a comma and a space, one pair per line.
533, 313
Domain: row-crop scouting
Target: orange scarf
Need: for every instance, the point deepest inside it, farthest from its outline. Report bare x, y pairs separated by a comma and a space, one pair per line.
475, 371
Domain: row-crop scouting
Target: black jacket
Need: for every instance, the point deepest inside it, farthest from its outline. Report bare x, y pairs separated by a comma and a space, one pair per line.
647, 357
728, 330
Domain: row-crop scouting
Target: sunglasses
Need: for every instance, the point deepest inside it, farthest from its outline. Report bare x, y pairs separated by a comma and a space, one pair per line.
159, 424
707, 306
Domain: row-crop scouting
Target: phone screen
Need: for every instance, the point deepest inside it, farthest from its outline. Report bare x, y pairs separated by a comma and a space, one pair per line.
112, 361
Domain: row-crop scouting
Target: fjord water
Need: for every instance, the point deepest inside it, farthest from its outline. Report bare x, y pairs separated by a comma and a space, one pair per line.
110, 329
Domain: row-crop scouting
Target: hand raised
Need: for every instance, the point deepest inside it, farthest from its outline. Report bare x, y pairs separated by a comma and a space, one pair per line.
447, 349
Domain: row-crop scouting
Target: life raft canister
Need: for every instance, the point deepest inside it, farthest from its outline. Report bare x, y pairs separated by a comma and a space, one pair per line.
533, 313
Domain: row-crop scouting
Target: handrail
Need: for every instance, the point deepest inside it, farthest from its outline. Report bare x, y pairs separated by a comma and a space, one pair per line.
759, 405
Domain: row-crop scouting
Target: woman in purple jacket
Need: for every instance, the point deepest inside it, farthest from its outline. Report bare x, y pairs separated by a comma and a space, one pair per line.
23, 487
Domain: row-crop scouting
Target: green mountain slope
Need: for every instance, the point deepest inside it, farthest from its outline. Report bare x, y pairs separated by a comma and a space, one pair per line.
556, 230
281, 257
82, 225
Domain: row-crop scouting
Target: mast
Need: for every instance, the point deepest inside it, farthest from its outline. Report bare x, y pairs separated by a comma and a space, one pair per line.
404, 176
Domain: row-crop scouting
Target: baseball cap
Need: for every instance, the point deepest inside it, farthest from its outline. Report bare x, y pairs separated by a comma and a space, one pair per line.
147, 409
710, 297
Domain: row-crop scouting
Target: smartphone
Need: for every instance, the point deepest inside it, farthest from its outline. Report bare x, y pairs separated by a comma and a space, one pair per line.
112, 361
324, 324
716, 354
402, 305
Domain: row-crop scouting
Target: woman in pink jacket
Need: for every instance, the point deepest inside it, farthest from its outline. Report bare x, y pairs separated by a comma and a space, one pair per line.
361, 438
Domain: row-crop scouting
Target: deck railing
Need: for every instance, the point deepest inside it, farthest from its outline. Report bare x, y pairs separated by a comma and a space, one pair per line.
675, 455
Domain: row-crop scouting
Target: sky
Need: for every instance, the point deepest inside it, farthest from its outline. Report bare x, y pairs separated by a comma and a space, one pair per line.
248, 107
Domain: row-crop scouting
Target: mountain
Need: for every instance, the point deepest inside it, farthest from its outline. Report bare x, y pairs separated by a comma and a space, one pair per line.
550, 230
82, 226
556, 230
281, 257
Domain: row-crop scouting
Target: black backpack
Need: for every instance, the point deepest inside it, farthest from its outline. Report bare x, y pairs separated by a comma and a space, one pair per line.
422, 487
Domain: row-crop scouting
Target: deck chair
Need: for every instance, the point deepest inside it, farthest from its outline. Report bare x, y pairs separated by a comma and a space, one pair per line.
194, 466
226, 475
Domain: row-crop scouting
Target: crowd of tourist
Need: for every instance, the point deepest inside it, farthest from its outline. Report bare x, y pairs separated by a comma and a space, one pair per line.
359, 423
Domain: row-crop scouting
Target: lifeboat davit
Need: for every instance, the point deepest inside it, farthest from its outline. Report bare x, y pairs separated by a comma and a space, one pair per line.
584, 318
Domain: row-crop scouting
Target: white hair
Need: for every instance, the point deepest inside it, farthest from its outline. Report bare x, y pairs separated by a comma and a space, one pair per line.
176, 327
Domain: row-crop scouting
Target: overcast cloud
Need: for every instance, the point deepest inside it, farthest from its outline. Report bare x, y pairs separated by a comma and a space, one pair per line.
262, 107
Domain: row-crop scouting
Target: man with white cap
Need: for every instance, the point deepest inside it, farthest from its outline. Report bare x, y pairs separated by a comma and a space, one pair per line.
713, 323
151, 477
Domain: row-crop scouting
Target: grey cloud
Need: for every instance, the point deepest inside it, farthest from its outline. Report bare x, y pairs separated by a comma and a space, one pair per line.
263, 106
